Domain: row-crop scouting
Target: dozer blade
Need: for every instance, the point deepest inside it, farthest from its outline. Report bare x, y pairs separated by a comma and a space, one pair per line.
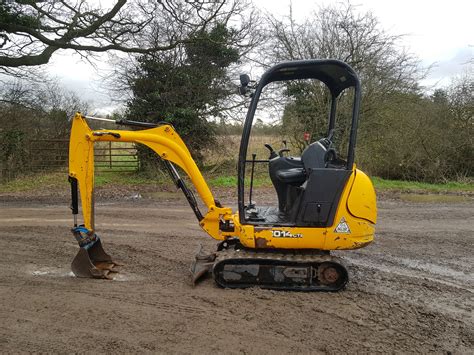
202, 264
94, 262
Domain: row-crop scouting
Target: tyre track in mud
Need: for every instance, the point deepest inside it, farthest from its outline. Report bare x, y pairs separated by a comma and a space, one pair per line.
410, 291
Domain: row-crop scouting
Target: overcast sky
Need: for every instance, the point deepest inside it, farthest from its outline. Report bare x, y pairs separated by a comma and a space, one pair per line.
438, 32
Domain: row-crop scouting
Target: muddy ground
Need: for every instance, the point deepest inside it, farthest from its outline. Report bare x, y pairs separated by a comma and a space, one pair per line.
411, 291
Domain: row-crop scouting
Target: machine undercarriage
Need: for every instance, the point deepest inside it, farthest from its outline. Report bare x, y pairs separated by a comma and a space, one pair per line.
293, 270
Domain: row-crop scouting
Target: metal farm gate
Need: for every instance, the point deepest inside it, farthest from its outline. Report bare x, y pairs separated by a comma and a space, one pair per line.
48, 154
111, 156
52, 154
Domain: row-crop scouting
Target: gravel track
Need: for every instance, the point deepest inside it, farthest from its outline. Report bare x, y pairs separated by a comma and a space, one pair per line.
411, 291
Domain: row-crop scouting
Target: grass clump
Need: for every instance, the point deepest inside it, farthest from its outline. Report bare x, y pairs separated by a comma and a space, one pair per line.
399, 185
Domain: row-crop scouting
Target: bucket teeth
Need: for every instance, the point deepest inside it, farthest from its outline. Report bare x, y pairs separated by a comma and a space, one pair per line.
105, 265
94, 263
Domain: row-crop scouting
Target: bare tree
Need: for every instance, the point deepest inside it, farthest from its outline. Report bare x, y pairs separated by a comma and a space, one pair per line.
32, 31
340, 32
189, 85
357, 38
238, 16
461, 99
30, 111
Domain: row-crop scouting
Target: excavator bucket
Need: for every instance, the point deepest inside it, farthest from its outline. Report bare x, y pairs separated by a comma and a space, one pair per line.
93, 262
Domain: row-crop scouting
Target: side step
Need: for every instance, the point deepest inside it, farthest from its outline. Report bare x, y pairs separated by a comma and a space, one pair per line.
279, 271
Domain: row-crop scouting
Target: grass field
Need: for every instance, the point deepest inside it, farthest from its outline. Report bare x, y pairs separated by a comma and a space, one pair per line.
220, 168
104, 178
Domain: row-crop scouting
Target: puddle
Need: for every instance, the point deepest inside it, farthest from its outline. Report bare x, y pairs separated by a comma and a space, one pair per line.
407, 272
417, 268
435, 269
56, 272
163, 195
121, 277
39, 273
51, 272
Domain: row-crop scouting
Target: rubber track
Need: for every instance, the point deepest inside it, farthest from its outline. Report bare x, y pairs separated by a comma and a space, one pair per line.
290, 259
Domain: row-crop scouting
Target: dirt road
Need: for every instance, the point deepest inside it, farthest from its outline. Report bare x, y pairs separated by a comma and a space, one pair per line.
411, 291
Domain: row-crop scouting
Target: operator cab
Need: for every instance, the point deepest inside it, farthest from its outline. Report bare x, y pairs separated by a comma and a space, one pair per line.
308, 186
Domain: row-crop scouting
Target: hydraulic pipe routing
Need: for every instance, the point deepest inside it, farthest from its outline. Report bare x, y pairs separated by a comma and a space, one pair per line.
74, 199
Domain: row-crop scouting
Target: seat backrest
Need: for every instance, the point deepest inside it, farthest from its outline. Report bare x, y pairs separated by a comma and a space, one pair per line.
314, 156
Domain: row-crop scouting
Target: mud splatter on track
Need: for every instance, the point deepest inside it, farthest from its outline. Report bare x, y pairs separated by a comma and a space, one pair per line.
412, 291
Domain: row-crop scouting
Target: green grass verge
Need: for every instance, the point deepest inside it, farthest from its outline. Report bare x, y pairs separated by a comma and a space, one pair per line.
380, 185
412, 186
231, 181
53, 180
104, 178
36, 181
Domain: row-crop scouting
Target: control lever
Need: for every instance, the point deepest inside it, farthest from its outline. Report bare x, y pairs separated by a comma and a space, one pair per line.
330, 135
251, 204
283, 150
272, 152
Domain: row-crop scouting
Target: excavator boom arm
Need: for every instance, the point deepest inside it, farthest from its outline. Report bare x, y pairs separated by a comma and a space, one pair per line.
163, 140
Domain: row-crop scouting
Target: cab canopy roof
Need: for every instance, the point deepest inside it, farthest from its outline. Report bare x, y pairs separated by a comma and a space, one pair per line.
336, 75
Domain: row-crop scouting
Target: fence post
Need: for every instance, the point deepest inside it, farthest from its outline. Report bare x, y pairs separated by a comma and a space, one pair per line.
110, 155
137, 166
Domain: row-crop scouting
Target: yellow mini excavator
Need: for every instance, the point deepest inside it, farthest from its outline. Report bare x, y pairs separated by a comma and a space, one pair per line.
324, 202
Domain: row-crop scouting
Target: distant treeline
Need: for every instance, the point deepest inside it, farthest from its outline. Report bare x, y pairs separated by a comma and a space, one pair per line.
181, 67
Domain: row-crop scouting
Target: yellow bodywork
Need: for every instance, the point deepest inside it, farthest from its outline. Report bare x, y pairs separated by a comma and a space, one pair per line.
357, 207
361, 226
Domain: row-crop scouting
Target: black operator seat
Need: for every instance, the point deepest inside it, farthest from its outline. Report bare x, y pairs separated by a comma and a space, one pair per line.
284, 173
288, 173
313, 157
292, 176
287, 170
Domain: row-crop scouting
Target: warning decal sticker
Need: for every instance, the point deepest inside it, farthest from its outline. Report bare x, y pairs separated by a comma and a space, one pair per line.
342, 227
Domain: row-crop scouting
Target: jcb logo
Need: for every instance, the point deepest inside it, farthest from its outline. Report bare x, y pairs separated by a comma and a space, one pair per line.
285, 234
